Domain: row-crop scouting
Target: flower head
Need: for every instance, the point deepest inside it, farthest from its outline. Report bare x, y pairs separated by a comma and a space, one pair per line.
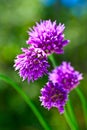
48, 36
53, 95
65, 75
32, 64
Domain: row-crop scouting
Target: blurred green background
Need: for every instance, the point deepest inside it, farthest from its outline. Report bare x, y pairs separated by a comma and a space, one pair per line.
16, 16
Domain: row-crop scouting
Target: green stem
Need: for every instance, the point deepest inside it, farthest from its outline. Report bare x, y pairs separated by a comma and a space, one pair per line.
71, 117
84, 104
27, 100
52, 60
69, 121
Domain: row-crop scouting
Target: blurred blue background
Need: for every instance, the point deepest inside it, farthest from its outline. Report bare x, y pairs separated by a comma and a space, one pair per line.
15, 19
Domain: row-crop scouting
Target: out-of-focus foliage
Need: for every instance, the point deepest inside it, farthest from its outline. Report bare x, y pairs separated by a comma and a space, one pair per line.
48, 2
77, 7
15, 19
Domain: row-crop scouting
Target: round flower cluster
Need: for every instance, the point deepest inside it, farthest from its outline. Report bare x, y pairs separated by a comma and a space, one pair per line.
65, 75
48, 36
32, 64
53, 95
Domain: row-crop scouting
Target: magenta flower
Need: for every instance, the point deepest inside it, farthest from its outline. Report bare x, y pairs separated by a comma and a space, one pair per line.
48, 36
32, 64
53, 95
65, 75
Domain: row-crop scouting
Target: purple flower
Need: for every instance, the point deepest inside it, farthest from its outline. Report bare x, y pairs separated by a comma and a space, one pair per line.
32, 64
48, 36
66, 75
53, 95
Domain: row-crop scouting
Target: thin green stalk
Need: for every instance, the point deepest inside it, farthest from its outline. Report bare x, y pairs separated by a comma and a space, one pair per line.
69, 121
71, 117
71, 113
52, 60
84, 104
27, 100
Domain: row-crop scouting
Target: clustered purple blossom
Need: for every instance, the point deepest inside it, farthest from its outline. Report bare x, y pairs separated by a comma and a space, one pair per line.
32, 64
53, 95
65, 75
46, 38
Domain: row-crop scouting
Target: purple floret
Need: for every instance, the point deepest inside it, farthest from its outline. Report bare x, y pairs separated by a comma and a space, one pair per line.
66, 75
32, 64
53, 95
48, 36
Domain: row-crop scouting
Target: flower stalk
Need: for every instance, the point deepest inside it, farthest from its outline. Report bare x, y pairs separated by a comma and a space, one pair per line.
27, 100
